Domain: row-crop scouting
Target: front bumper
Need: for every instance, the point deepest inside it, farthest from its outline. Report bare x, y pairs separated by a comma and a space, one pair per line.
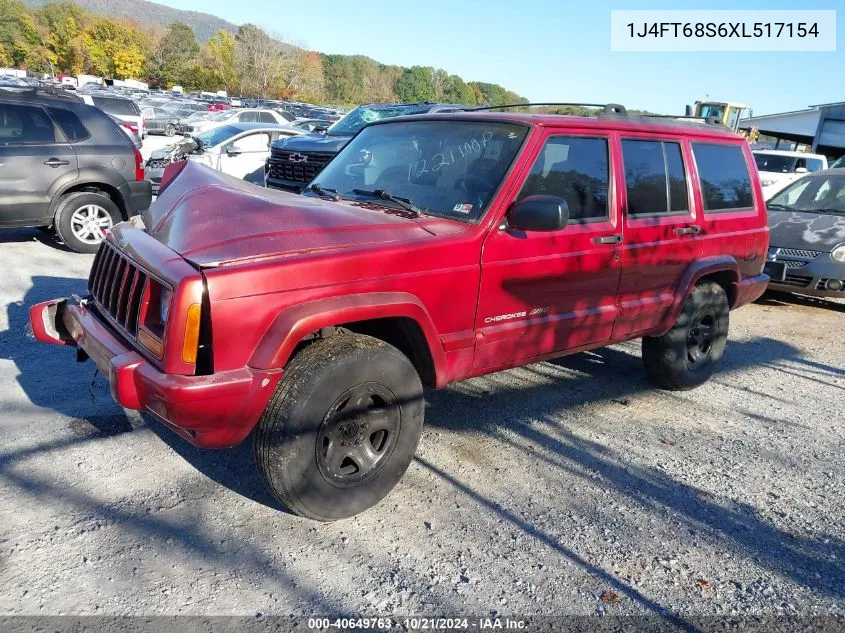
214, 411
808, 275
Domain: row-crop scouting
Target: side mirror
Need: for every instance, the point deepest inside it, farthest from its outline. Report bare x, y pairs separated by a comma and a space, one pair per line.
232, 151
539, 213
320, 129
800, 170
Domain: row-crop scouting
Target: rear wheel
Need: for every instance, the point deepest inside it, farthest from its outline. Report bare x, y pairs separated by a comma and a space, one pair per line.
83, 218
687, 355
342, 427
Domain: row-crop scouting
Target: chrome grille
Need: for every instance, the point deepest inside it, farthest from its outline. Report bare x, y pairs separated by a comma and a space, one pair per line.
117, 285
283, 168
797, 252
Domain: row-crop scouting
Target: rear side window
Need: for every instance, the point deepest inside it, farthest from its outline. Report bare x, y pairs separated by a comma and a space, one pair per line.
576, 169
120, 107
25, 124
810, 164
72, 127
266, 117
654, 178
725, 183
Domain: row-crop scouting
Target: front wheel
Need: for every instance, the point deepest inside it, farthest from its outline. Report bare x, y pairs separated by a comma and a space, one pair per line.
170, 130
688, 354
342, 427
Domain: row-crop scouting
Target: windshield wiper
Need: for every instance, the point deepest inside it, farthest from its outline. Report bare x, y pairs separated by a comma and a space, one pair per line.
777, 206
324, 192
384, 194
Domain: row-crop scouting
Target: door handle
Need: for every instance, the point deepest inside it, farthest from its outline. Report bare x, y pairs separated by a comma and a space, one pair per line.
55, 162
608, 239
688, 230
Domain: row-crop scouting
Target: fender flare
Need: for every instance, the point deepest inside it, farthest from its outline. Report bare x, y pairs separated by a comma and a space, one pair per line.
692, 275
86, 177
293, 324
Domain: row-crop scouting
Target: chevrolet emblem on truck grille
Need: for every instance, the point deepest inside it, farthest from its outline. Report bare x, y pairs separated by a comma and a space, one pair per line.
297, 158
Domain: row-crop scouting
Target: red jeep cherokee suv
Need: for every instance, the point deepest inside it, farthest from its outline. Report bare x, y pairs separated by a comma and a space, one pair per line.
433, 248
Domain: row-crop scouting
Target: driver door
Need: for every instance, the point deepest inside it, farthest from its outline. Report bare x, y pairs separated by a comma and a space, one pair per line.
545, 292
244, 157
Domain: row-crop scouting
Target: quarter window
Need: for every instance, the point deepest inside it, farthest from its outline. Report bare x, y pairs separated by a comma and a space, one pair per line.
72, 127
725, 183
25, 124
576, 169
654, 178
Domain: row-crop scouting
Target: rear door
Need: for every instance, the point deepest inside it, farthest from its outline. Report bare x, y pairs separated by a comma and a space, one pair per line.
34, 158
663, 230
545, 292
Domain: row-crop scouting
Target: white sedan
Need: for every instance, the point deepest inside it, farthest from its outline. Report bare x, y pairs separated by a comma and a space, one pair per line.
238, 149
241, 115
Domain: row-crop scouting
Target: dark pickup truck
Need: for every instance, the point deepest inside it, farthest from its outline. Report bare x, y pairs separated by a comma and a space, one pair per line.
294, 162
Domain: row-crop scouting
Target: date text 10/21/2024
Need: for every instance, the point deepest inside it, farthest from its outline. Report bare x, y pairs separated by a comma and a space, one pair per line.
417, 624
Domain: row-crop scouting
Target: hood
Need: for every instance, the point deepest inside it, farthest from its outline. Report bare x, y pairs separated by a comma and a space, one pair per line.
176, 150
810, 231
312, 143
212, 219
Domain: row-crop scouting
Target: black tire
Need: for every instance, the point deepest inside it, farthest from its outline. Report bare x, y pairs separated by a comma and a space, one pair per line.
170, 130
343, 401
686, 356
74, 202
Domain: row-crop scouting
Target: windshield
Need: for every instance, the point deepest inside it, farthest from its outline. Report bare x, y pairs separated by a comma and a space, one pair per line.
445, 168
777, 163
220, 116
360, 116
839, 163
198, 115
818, 194
217, 135
712, 109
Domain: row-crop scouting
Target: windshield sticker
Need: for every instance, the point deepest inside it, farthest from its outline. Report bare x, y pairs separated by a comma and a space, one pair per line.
463, 208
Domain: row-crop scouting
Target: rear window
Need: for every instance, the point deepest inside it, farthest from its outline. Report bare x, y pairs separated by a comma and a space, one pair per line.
725, 183
72, 127
120, 107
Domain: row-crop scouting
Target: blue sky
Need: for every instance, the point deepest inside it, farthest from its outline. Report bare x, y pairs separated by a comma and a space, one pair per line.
549, 51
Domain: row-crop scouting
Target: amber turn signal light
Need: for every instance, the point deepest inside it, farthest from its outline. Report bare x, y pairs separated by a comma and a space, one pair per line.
151, 343
192, 334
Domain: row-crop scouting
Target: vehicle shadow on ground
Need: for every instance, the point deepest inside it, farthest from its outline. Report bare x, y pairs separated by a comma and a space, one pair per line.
781, 299
48, 238
49, 375
494, 407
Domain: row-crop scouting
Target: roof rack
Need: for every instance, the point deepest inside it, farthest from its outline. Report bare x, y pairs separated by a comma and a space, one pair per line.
710, 120
40, 91
608, 109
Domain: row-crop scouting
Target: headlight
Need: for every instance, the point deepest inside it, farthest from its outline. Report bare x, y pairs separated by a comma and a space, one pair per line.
838, 253
164, 305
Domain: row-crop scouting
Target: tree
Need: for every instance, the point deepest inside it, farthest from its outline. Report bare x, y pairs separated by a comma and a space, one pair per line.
262, 62
219, 57
416, 84
61, 24
173, 56
113, 48
18, 34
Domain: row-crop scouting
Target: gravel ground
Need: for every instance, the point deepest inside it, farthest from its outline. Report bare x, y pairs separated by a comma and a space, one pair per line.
568, 487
